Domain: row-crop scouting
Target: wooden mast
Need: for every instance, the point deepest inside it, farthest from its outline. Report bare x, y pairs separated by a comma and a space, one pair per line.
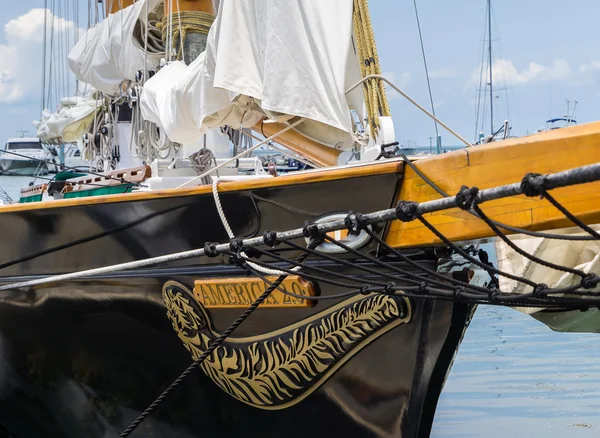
113, 6
190, 5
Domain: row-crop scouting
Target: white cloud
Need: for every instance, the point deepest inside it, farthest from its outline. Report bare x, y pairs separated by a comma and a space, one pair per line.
593, 66
439, 103
443, 73
21, 55
505, 72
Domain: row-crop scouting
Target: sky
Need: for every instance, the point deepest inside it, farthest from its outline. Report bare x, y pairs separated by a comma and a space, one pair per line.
544, 53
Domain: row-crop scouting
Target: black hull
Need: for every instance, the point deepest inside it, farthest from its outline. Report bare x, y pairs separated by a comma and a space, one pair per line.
85, 358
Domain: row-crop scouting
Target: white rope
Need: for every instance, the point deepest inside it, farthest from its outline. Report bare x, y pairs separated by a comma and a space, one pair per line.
215, 192
411, 100
579, 175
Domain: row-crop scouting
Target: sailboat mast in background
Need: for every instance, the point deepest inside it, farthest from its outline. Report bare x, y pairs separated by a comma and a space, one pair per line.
489, 8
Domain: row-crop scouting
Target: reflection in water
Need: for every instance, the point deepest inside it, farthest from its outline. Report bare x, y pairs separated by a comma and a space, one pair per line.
514, 377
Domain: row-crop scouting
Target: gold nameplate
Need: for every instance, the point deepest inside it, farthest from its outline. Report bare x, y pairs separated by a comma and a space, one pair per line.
218, 293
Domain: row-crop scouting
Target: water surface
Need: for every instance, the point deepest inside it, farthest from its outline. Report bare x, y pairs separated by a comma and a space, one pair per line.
514, 377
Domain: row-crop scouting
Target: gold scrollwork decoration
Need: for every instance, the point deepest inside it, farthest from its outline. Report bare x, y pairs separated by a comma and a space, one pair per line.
280, 368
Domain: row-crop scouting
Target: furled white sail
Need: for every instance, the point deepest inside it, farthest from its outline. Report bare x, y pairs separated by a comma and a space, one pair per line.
581, 255
279, 59
106, 55
73, 119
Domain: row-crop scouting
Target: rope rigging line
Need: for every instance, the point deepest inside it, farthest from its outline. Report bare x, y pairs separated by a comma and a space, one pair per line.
580, 175
241, 154
368, 59
229, 231
208, 352
382, 274
445, 288
411, 100
437, 134
516, 230
175, 26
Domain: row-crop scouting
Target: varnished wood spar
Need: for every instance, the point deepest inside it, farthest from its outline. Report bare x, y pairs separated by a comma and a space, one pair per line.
293, 140
190, 5
321, 175
113, 6
501, 163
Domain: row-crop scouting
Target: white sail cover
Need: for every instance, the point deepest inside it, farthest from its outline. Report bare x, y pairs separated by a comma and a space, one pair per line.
581, 255
73, 119
106, 55
269, 57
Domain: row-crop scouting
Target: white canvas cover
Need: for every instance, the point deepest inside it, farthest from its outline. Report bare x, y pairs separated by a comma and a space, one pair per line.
582, 255
70, 122
263, 57
106, 55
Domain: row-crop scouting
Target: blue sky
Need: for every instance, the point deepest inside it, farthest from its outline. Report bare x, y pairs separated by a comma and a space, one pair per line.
546, 51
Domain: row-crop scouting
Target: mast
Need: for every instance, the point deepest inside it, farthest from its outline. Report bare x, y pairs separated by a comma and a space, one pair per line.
490, 67
190, 21
113, 6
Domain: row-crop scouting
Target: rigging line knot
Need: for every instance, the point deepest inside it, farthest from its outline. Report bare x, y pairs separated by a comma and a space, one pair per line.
210, 249
253, 253
533, 184
466, 197
590, 281
539, 290
493, 295
457, 292
236, 260
484, 257
311, 230
388, 153
423, 287
236, 245
407, 211
270, 239
365, 290
355, 222
390, 288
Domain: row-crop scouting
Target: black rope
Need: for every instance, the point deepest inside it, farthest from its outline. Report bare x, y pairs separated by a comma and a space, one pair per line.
413, 278
415, 264
570, 216
286, 207
212, 347
516, 230
487, 268
304, 266
465, 292
542, 295
531, 257
385, 153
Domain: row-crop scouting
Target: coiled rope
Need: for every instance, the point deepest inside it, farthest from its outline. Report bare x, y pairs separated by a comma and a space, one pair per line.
182, 22
374, 89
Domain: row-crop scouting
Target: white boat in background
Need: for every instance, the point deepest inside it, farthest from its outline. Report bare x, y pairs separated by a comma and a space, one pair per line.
68, 158
23, 156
